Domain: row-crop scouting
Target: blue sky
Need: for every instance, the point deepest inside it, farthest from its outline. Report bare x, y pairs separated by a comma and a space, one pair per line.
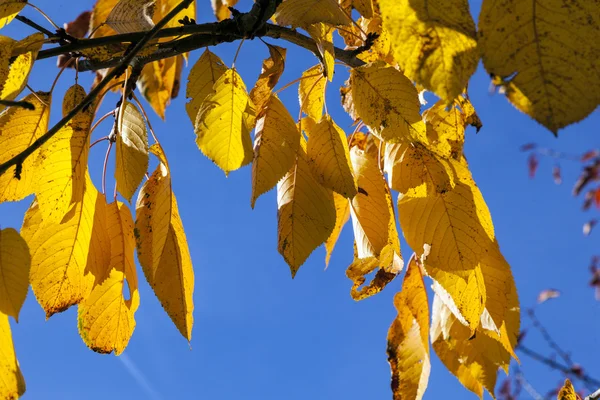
258, 334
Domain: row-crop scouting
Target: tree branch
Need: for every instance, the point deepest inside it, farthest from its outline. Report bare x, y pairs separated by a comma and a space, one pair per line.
120, 68
35, 26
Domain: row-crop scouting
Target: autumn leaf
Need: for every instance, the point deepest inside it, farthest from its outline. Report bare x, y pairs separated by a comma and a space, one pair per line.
311, 92
408, 337
132, 16
132, 151
62, 163
531, 49
275, 147
8, 11
434, 44
387, 102
547, 294
162, 246
23, 55
329, 158
12, 384
106, 316
157, 81
15, 263
323, 37
342, 215
222, 126
19, 128
306, 213
100, 13
272, 68
302, 13
201, 79
567, 392
67, 257
221, 8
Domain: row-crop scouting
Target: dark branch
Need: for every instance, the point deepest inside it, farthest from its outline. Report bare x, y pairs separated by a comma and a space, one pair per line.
25, 104
35, 26
126, 61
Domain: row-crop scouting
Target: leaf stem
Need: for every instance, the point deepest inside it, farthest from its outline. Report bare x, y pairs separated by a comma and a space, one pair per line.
110, 143
44, 15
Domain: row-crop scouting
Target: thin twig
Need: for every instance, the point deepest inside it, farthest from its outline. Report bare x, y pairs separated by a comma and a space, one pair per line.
25, 104
19, 158
538, 325
44, 15
594, 396
34, 25
527, 386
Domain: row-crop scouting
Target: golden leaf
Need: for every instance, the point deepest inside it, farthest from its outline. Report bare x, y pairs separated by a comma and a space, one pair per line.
531, 49
24, 53
408, 337
19, 128
62, 162
275, 147
222, 128
272, 68
387, 102
106, 317
100, 13
323, 37
364, 7
434, 43
203, 75
132, 16
132, 151
221, 8
157, 81
12, 384
342, 215
67, 257
311, 92
15, 263
567, 392
329, 158
306, 213
9, 10
162, 246
303, 13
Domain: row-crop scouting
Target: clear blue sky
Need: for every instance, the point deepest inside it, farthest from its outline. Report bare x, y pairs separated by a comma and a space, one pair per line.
258, 334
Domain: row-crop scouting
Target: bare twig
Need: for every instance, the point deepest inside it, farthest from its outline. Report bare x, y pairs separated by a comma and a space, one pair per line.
594, 396
24, 104
34, 25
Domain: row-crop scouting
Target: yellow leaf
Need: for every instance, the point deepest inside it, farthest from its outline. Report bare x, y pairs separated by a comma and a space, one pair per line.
544, 56
67, 257
408, 337
132, 151
469, 357
375, 235
311, 92
303, 13
15, 263
12, 384
19, 128
100, 14
306, 213
162, 246
567, 392
203, 75
275, 147
25, 53
387, 102
323, 37
157, 81
163, 7
221, 8
106, 316
329, 158
364, 7
9, 10
132, 16
62, 162
222, 131
342, 215
6, 47
272, 68
434, 43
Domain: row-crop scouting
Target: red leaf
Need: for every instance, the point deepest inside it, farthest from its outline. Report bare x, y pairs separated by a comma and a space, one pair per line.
528, 146
79, 26
547, 295
597, 198
532, 163
589, 155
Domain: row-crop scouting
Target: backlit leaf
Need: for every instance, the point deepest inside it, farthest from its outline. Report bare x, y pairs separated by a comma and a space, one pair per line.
329, 158
323, 37
157, 81
62, 163
132, 16
567, 392
387, 102
67, 257
132, 151
106, 316
15, 263
221, 8
303, 13
275, 147
272, 68
342, 215
306, 213
100, 13
311, 92
162, 246
434, 43
408, 337
201, 79
222, 128
19, 128
9, 10
25, 52
530, 49
12, 384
